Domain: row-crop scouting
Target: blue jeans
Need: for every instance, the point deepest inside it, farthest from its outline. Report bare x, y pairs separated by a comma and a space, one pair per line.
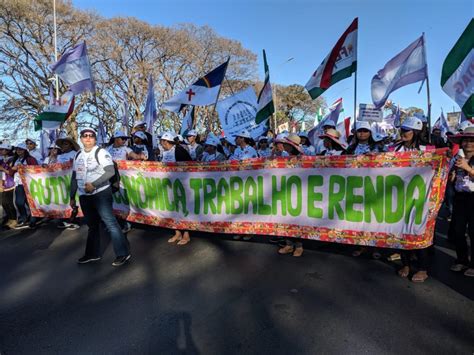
21, 203
97, 208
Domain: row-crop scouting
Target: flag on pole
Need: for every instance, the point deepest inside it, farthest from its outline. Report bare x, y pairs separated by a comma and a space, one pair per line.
330, 119
265, 98
54, 115
125, 115
150, 107
44, 143
188, 122
457, 73
101, 134
443, 125
407, 67
202, 93
74, 69
344, 127
340, 63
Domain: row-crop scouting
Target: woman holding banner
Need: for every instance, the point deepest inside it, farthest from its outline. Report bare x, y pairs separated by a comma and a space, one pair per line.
463, 208
410, 134
173, 152
7, 185
292, 147
21, 157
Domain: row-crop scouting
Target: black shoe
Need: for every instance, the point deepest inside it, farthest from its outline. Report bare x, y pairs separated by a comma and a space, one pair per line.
275, 239
88, 259
32, 226
120, 260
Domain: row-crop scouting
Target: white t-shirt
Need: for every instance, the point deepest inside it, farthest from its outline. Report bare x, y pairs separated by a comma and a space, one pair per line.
264, 153
35, 153
308, 150
192, 150
169, 155
65, 157
119, 153
247, 153
88, 170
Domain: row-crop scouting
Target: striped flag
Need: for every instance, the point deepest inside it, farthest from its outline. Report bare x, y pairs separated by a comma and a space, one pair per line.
203, 92
265, 98
188, 122
338, 65
457, 73
54, 115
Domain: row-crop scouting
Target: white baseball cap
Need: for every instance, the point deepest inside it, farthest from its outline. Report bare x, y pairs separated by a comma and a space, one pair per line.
243, 134
191, 132
362, 125
139, 123
412, 123
140, 135
168, 136
463, 125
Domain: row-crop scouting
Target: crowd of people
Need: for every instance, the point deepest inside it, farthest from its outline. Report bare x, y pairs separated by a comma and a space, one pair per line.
93, 169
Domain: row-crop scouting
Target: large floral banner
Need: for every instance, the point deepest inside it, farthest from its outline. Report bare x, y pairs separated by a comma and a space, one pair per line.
385, 200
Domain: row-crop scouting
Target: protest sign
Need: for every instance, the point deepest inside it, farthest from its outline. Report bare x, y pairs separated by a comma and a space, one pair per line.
385, 200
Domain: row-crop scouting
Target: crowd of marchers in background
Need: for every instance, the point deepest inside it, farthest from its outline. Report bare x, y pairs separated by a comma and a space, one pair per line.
93, 169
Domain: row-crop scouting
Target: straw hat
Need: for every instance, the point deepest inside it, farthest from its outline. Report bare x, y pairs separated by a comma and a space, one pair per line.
467, 133
333, 135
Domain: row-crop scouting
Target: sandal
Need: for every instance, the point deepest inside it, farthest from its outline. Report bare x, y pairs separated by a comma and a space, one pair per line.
420, 276
177, 236
298, 252
287, 249
185, 240
404, 271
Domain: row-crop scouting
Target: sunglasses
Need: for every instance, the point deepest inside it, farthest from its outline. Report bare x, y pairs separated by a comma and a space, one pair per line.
88, 135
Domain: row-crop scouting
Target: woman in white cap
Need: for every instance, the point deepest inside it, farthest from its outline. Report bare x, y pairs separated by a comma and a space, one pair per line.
33, 150
21, 157
363, 141
332, 143
292, 245
308, 149
263, 150
7, 185
211, 152
410, 134
463, 207
278, 149
244, 143
172, 153
119, 151
53, 153
140, 145
194, 148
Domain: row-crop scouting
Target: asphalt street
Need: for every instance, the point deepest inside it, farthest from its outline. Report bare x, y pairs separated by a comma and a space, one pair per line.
220, 296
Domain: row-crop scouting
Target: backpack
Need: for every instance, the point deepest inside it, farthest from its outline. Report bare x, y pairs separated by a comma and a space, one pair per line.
115, 179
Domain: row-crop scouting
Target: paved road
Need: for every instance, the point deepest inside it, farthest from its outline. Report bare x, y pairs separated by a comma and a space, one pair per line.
219, 296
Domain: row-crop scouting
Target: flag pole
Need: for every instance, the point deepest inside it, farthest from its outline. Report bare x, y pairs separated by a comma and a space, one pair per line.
427, 91
55, 49
355, 95
220, 87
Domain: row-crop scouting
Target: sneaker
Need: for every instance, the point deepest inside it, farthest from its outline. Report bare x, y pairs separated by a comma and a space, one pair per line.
88, 259
11, 223
126, 228
458, 267
236, 237
73, 226
22, 225
32, 225
63, 225
247, 237
275, 239
469, 272
120, 260
394, 257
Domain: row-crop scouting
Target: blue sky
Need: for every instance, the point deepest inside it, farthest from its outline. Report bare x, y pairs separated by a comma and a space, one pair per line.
307, 30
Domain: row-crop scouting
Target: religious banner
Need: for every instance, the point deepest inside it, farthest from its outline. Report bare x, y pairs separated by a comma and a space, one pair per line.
385, 200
